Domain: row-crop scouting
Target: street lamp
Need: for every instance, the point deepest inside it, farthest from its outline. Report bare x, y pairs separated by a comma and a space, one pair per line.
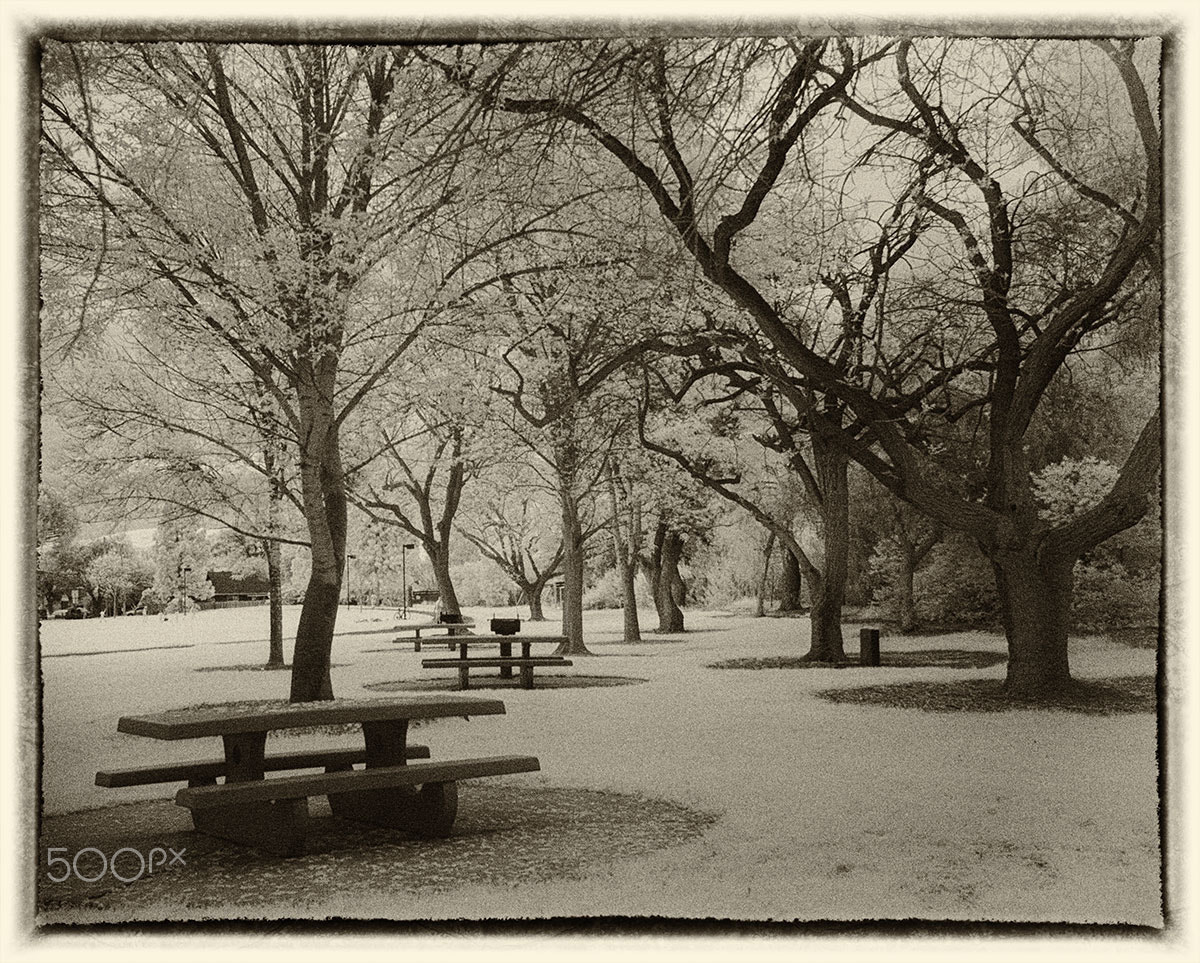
404, 578
183, 574
349, 559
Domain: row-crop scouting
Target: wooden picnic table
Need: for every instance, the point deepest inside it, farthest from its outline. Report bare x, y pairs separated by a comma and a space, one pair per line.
272, 813
506, 661
417, 628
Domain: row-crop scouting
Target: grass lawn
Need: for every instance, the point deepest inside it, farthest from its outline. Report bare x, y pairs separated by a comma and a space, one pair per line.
693, 776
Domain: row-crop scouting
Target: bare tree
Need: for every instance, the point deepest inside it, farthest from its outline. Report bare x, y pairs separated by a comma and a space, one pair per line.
512, 530
947, 118
303, 208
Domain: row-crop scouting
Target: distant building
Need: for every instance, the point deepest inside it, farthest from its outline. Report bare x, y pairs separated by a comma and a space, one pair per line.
227, 589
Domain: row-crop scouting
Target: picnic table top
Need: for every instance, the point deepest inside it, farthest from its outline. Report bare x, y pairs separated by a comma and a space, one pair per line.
220, 721
401, 626
493, 639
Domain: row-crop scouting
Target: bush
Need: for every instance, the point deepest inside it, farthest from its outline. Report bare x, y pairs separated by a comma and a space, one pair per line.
883, 573
1116, 584
607, 593
956, 586
1107, 596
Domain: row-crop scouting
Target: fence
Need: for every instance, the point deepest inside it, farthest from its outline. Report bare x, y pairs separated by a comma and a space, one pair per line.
231, 603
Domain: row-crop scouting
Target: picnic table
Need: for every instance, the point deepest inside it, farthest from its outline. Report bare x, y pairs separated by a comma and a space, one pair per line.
272, 813
417, 628
525, 663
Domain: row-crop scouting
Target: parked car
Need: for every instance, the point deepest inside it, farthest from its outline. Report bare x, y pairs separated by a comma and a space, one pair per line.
74, 612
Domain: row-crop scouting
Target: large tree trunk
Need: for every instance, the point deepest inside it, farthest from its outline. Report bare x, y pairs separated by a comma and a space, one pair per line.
1035, 606
275, 599
626, 536
790, 597
439, 558
572, 601
829, 591
669, 550
324, 500
1035, 570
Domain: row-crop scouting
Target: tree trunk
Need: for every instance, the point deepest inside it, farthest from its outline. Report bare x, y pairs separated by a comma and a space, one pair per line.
572, 601
829, 591
790, 598
275, 597
324, 501
1035, 606
905, 602
633, 631
439, 558
273, 552
760, 607
532, 593
626, 542
670, 615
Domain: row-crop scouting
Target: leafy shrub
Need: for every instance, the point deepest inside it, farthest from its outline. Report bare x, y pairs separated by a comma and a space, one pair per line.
1107, 595
956, 586
1072, 486
883, 572
606, 592
1116, 584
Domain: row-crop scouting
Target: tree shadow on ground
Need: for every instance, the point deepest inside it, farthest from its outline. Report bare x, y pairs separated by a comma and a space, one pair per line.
506, 834
254, 667
915, 659
496, 682
1112, 696
142, 648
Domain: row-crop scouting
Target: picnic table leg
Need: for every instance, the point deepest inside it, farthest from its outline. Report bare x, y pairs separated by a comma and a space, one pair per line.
506, 653
244, 753
463, 681
387, 742
526, 676
277, 826
429, 811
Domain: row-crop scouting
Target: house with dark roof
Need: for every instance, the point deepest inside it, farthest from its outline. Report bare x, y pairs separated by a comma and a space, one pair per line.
227, 588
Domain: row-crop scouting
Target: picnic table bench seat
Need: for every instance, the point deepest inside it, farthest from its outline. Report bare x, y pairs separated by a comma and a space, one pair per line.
199, 772
273, 813
525, 664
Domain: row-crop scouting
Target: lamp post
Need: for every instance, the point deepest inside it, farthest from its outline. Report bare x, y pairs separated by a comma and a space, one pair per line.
349, 559
404, 578
183, 574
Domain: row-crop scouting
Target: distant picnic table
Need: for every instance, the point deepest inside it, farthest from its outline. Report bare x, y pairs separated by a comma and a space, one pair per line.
525, 663
416, 628
272, 813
